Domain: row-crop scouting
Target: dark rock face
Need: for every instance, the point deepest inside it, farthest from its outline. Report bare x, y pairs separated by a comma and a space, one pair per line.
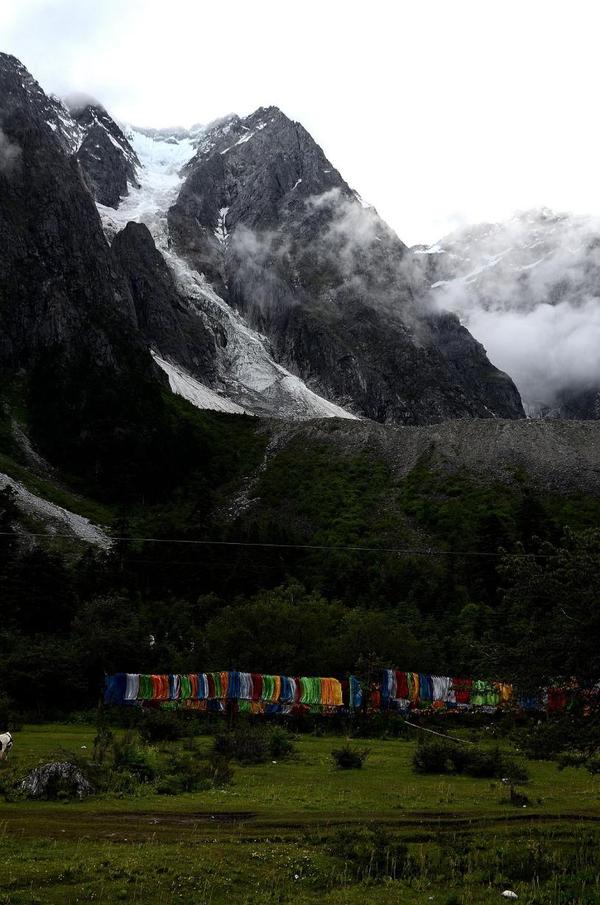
281, 235
164, 321
250, 167
578, 405
274, 227
107, 159
59, 286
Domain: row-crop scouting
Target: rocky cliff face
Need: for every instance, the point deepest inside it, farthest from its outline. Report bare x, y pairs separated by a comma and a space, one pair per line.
70, 344
261, 276
167, 326
108, 161
59, 287
284, 239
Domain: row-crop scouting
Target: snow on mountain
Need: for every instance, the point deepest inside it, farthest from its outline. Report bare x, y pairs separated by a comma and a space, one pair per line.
529, 290
317, 271
191, 389
247, 372
160, 162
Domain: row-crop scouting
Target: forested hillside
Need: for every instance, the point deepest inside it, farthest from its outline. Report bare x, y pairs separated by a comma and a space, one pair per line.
304, 548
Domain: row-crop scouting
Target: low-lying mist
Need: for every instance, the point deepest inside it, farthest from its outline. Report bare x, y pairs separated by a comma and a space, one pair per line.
529, 291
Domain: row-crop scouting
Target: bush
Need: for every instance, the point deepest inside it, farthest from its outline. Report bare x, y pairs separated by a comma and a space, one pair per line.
160, 726
514, 771
220, 771
137, 759
433, 757
480, 763
561, 734
517, 798
171, 784
191, 771
247, 744
579, 759
349, 758
10, 780
188, 771
121, 783
280, 743
445, 756
103, 745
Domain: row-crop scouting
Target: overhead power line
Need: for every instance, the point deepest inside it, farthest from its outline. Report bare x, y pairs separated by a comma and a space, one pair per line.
403, 551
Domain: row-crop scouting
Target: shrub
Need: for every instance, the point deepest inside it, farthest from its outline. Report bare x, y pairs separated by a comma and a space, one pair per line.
137, 759
186, 771
103, 745
480, 762
514, 771
220, 771
190, 770
124, 783
10, 780
160, 726
349, 758
247, 744
561, 734
579, 759
171, 784
433, 757
441, 756
518, 799
280, 743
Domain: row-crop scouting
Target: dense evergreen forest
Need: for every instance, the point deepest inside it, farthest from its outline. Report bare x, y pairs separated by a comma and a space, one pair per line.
442, 571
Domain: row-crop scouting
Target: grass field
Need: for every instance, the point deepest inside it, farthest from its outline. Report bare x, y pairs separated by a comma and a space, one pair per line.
294, 832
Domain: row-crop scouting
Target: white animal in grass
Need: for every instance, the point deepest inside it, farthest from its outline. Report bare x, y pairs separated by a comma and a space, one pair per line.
6, 744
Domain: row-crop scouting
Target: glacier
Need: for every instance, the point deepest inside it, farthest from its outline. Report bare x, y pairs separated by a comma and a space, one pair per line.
248, 378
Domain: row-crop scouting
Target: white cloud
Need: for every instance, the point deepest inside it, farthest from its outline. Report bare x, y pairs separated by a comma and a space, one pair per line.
550, 349
10, 154
529, 290
438, 112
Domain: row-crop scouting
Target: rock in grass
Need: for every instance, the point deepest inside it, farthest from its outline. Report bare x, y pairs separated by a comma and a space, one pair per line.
56, 780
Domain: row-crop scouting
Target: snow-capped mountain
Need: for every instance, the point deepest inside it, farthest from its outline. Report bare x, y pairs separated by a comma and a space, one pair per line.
220, 362
529, 290
231, 259
268, 220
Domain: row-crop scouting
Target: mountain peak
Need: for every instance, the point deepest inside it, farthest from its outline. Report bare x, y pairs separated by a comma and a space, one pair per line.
268, 277
77, 101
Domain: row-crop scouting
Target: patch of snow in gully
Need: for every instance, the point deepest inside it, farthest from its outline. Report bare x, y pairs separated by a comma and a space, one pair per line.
195, 392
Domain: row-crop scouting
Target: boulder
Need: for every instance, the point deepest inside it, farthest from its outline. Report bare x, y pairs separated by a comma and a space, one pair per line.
54, 780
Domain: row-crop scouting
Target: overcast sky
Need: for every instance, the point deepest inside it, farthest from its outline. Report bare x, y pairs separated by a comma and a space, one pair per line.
439, 113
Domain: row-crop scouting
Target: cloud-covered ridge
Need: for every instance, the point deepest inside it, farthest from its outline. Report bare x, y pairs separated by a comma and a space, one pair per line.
10, 155
529, 290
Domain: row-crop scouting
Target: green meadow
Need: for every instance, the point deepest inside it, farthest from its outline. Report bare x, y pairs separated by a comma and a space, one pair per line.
301, 831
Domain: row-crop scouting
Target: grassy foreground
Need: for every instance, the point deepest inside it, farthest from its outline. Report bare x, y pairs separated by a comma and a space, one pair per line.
293, 832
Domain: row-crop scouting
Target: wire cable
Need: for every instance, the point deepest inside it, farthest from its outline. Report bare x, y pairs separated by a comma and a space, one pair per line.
403, 551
